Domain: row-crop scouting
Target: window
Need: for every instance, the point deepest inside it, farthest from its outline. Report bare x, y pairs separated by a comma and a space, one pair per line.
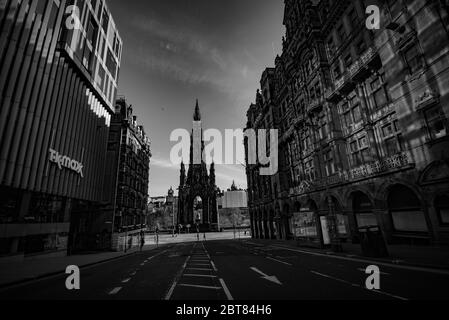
414, 58
331, 45
341, 32
337, 71
357, 114
436, 121
105, 21
361, 47
329, 163
394, 7
442, 208
111, 64
353, 18
380, 97
348, 60
392, 138
405, 210
309, 170
359, 150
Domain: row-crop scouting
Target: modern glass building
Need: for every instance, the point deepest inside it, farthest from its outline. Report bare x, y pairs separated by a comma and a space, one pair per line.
59, 65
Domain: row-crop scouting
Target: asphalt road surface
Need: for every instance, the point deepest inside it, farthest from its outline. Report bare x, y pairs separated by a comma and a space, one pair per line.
237, 270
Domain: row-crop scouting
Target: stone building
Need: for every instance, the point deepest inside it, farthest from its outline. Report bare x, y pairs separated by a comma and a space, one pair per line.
127, 181
363, 130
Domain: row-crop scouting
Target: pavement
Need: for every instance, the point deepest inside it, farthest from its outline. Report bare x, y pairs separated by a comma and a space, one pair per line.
13, 272
237, 270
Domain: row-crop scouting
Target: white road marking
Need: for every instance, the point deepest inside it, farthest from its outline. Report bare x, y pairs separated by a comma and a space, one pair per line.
422, 269
126, 280
200, 269
286, 263
213, 266
359, 286
200, 264
197, 286
175, 281
273, 279
226, 290
199, 275
115, 291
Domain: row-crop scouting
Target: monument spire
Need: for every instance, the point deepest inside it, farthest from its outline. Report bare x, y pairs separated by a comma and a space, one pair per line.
197, 114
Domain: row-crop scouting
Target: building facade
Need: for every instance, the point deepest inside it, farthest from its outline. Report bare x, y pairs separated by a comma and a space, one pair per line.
233, 209
197, 188
363, 124
57, 86
163, 213
127, 179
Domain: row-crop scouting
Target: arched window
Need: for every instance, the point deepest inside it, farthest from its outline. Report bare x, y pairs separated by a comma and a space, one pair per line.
405, 209
442, 208
363, 210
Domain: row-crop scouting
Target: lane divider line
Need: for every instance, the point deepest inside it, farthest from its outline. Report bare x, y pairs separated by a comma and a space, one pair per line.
175, 281
359, 286
213, 266
226, 290
115, 291
286, 263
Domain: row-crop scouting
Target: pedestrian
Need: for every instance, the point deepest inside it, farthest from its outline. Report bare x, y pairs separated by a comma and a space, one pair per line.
142, 242
204, 236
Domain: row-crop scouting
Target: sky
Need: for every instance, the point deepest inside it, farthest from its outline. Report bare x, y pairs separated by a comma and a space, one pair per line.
177, 51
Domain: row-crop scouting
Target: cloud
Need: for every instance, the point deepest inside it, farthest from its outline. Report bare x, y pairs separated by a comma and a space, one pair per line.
162, 163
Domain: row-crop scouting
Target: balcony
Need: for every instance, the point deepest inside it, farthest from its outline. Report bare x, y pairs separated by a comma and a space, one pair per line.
346, 80
391, 164
315, 104
395, 162
351, 129
383, 112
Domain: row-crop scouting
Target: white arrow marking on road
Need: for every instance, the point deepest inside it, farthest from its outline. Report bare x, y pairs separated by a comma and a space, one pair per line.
266, 277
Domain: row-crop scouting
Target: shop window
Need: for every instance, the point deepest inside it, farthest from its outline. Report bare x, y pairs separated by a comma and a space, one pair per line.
442, 208
436, 122
363, 210
405, 210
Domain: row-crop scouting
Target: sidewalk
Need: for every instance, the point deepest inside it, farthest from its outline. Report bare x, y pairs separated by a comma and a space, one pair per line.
34, 268
418, 256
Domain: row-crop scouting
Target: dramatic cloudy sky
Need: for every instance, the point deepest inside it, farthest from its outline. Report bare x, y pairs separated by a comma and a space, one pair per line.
176, 51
